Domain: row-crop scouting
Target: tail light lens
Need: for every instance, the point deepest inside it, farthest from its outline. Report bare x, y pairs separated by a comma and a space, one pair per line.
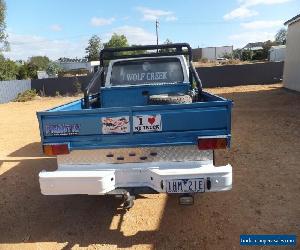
212, 143
56, 149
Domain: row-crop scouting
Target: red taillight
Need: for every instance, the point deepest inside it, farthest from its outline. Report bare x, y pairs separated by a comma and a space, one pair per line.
212, 143
56, 149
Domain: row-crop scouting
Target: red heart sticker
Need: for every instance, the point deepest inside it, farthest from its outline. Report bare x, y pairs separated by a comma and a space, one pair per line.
151, 120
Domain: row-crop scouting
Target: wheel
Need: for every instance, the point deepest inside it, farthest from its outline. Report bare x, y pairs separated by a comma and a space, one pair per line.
169, 99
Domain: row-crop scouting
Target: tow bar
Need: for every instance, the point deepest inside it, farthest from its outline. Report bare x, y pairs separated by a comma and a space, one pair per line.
123, 194
128, 201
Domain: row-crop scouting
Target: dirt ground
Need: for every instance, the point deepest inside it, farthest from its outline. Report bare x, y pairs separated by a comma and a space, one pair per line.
265, 198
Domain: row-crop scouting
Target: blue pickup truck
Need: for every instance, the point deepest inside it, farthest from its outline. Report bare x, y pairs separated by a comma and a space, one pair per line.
149, 128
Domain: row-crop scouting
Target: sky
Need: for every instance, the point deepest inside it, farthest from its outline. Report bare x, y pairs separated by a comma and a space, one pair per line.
61, 28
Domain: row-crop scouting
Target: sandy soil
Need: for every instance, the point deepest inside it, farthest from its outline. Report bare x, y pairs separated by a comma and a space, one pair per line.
265, 198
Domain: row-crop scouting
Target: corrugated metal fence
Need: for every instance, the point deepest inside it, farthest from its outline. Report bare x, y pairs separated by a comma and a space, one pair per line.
245, 74
220, 76
9, 90
61, 86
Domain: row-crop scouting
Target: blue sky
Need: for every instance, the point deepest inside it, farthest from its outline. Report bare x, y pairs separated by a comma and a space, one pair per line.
58, 28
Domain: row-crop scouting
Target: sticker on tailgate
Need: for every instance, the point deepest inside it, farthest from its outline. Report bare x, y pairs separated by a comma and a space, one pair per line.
115, 125
62, 129
147, 123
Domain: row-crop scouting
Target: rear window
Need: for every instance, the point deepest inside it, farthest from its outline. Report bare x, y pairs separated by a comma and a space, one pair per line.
162, 70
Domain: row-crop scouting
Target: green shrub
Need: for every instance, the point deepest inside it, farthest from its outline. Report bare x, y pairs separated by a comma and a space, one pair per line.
28, 95
246, 55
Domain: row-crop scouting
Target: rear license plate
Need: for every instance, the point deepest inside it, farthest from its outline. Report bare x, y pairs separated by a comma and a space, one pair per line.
186, 186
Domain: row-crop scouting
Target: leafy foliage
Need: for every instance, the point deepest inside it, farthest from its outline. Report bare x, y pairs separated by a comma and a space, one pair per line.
237, 53
40, 61
28, 95
4, 45
31, 69
117, 41
228, 55
246, 55
27, 70
53, 69
93, 49
266, 47
22, 72
8, 69
259, 55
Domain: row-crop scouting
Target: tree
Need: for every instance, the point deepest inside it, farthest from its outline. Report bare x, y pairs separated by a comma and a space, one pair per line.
259, 55
93, 49
237, 53
22, 72
266, 47
53, 69
117, 41
4, 45
246, 55
167, 42
8, 69
280, 36
40, 61
32, 69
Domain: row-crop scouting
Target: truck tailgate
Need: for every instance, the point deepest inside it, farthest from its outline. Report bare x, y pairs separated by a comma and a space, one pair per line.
155, 125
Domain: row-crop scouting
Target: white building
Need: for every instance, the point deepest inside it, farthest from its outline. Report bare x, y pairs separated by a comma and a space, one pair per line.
277, 53
212, 53
42, 74
291, 72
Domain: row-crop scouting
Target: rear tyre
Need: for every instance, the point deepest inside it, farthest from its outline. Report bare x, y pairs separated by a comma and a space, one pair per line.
169, 99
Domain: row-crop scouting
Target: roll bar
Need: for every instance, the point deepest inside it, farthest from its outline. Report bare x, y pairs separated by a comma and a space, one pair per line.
114, 53
110, 53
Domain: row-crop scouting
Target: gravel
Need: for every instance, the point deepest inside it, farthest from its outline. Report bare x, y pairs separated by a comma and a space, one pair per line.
264, 200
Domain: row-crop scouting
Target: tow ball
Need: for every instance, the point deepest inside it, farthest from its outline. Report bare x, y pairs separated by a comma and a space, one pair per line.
128, 200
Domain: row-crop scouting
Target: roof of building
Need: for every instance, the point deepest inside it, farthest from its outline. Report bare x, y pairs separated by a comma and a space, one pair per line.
254, 46
293, 20
278, 47
72, 60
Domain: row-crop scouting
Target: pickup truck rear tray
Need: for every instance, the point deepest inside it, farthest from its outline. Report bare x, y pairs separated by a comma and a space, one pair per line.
179, 124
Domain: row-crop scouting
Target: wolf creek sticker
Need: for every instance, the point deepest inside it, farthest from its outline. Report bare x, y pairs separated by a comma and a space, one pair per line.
62, 129
115, 125
147, 123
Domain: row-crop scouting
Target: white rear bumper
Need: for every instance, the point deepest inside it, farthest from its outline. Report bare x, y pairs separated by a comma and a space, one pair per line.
103, 178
